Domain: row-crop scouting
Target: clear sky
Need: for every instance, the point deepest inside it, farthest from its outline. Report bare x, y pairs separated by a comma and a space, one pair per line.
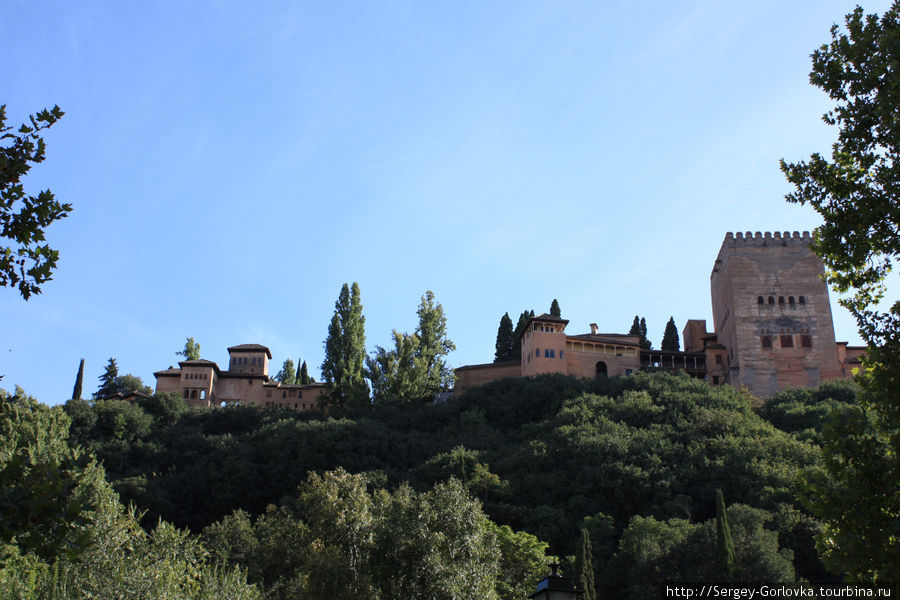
232, 164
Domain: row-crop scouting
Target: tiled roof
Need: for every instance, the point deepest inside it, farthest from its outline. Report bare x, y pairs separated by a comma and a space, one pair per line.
170, 372
250, 348
200, 362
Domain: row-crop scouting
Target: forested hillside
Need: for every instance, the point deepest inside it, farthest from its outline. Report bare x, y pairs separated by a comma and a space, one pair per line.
635, 461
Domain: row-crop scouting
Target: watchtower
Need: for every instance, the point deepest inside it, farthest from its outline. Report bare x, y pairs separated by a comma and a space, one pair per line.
772, 313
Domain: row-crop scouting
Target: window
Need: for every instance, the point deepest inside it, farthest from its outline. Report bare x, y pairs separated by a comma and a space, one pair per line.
719, 358
759, 300
801, 300
780, 299
787, 341
771, 300
791, 300
628, 371
766, 341
560, 353
715, 380
184, 393
537, 352
806, 341
203, 394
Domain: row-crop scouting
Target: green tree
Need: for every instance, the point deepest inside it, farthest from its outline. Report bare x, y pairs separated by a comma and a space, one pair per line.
131, 383
670, 337
191, 350
857, 193
434, 345
109, 386
303, 375
635, 327
79, 380
584, 567
554, 309
345, 352
47, 488
517, 334
645, 341
724, 543
399, 374
27, 263
503, 349
287, 374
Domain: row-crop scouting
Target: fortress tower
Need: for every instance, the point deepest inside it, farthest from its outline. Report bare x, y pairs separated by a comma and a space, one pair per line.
772, 313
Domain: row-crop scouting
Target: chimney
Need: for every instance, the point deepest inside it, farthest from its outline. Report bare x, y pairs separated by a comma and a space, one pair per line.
593, 329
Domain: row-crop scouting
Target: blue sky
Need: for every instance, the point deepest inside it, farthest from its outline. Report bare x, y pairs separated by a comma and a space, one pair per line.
232, 166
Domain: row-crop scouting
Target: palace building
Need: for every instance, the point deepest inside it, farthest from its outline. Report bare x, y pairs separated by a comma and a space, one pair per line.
772, 328
246, 381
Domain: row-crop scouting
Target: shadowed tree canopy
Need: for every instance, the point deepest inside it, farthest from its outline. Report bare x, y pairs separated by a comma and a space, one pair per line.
27, 262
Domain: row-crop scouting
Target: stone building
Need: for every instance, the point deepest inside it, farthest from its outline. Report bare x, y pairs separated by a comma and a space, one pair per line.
772, 319
246, 381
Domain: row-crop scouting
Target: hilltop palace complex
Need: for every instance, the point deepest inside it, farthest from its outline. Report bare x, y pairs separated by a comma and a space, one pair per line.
772, 329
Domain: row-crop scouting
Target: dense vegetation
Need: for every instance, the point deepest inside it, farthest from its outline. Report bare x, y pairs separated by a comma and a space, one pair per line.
634, 461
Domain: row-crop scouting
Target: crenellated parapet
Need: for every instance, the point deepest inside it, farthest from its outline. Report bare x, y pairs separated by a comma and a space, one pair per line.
760, 238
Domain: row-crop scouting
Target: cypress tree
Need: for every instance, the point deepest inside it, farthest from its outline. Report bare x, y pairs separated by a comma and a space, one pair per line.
109, 381
303, 376
584, 566
505, 340
645, 343
635, 327
345, 352
79, 379
670, 337
520, 328
724, 543
554, 309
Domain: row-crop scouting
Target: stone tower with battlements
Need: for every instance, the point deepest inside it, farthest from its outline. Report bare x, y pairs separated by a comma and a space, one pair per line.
772, 313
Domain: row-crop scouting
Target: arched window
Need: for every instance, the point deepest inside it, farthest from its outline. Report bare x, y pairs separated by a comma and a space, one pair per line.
780, 299
771, 300
801, 300
791, 300
759, 300
601, 369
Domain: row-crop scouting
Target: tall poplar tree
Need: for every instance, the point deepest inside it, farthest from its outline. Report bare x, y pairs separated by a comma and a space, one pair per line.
191, 350
670, 337
79, 380
505, 340
345, 352
434, 345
